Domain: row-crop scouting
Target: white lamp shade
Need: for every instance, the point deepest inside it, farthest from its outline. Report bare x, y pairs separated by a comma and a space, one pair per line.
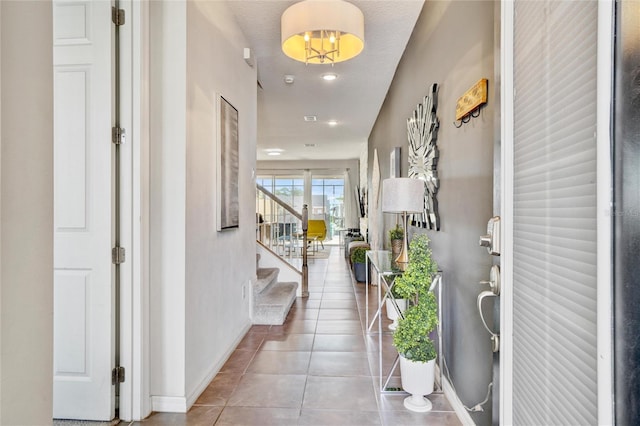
315, 15
401, 195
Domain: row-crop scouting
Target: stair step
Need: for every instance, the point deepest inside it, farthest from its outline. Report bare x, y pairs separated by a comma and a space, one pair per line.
266, 276
273, 304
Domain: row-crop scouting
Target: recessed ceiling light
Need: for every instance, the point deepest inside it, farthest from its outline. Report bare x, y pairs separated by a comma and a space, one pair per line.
289, 79
273, 153
332, 123
329, 76
310, 118
273, 150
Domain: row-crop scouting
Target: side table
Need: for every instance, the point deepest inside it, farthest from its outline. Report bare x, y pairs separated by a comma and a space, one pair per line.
384, 268
382, 265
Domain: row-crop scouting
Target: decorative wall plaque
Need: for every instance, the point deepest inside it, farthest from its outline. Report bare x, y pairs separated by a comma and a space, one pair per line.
472, 99
422, 131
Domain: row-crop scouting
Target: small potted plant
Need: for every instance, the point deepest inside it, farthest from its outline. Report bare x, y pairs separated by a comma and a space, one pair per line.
358, 260
411, 338
396, 235
392, 312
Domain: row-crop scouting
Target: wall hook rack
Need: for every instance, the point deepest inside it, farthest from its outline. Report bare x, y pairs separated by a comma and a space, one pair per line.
467, 118
469, 104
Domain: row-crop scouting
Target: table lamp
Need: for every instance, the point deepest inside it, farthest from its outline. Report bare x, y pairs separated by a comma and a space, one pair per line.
403, 195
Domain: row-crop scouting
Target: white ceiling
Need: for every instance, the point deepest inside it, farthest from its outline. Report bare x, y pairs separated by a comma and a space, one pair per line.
354, 99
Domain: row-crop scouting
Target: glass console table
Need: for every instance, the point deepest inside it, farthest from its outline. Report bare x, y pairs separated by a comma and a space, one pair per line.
386, 272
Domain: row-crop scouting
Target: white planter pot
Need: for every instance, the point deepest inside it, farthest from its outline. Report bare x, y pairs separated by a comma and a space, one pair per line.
417, 379
392, 314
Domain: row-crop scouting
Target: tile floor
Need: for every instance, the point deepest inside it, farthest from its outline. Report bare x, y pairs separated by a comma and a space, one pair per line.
318, 368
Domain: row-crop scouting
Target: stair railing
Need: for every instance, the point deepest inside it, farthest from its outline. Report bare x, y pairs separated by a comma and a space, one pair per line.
283, 231
305, 247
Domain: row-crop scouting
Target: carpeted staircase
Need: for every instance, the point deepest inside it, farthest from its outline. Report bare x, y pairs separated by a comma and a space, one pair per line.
271, 299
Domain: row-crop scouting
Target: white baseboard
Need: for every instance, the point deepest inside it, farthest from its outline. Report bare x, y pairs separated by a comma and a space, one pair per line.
180, 404
452, 397
197, 391
169, 404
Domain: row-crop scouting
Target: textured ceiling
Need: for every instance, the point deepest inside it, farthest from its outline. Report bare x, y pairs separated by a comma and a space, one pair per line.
354, 99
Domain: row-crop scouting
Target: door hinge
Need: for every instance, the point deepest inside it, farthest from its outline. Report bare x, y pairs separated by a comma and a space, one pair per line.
117, 375
117, 16
118, 135
117, 255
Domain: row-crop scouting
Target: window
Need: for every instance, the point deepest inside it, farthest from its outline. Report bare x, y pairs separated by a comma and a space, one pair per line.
289, 189
327, 202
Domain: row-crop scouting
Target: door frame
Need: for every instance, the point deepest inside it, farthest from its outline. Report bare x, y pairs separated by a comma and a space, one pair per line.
506, 210
606, 33
604, 194
135, 398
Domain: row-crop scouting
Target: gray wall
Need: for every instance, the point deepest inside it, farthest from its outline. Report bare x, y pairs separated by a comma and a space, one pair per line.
452, 45
197, 279
218, 277
26, 225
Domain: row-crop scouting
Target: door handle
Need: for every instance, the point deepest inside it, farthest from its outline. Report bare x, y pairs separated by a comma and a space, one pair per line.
494, 284
495, 337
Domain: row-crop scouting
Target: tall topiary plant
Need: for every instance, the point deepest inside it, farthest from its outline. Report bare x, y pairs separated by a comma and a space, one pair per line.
411, 337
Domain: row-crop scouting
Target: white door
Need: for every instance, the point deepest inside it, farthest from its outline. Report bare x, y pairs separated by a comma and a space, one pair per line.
83, 273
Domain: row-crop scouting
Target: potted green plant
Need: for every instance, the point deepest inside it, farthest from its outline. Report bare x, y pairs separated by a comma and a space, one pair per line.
396, 235
358, 260
411, 338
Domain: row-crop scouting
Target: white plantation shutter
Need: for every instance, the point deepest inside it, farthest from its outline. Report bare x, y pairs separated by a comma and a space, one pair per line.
554, 270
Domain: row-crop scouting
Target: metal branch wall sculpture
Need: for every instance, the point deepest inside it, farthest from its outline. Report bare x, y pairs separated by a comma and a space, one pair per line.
422, 130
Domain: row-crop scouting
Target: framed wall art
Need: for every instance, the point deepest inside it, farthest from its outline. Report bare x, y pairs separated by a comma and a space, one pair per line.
228, 163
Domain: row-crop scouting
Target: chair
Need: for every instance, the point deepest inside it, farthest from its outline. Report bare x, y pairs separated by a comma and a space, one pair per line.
285, 235
317, 231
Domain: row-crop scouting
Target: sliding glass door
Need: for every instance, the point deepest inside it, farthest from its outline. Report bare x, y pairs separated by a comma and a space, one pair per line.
327, 202
289, 189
